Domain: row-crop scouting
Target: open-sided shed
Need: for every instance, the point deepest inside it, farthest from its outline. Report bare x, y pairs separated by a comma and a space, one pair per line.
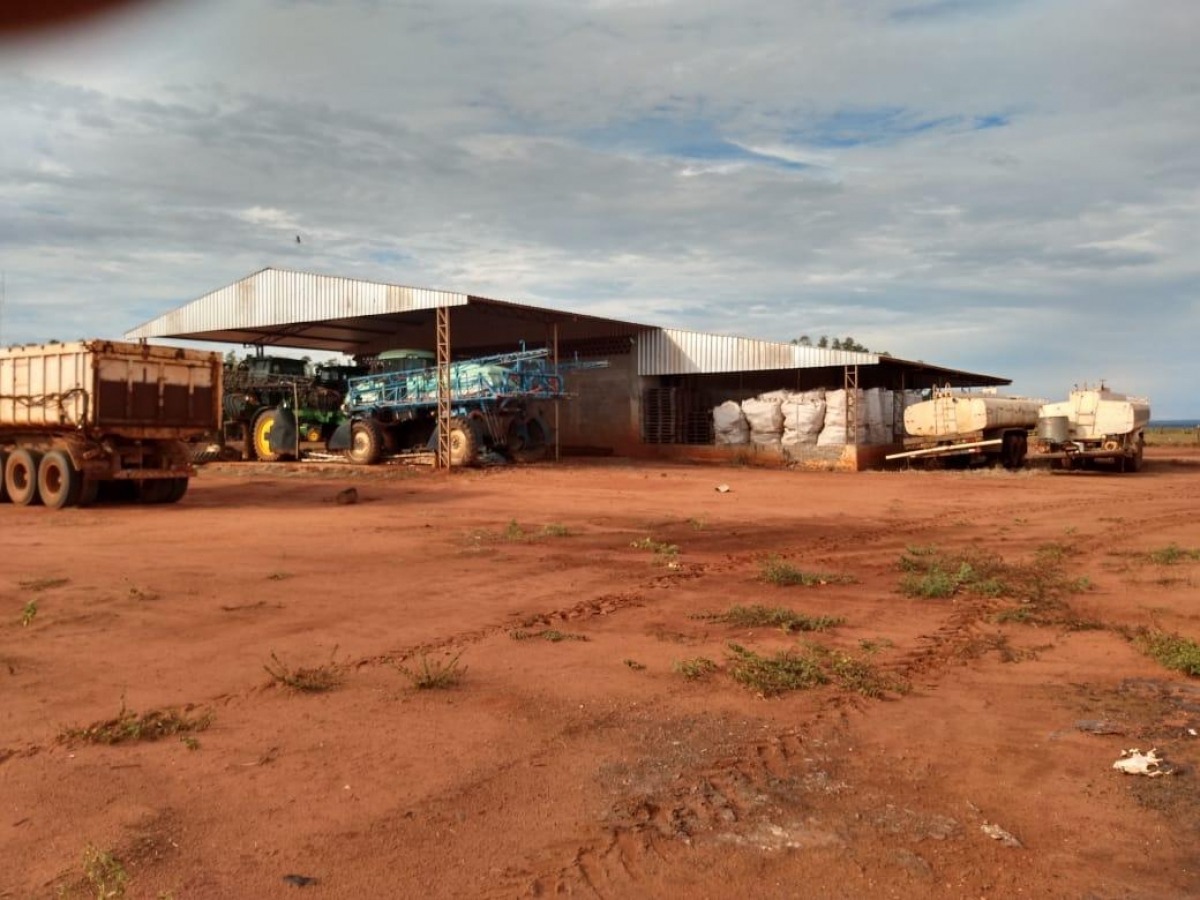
656, 389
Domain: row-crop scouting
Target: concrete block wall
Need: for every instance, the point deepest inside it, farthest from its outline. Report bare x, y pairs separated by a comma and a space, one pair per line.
605, 414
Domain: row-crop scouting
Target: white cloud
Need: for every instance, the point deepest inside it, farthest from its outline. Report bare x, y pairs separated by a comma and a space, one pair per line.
1009, 187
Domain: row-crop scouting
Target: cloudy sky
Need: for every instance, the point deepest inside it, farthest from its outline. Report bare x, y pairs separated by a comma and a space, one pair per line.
1008, 186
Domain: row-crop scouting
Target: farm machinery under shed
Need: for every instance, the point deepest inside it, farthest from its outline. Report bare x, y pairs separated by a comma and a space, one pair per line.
496, 406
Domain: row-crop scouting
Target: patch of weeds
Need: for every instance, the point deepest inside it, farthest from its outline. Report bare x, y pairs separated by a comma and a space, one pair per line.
857, 674
661, 549
758, 616
136, 593
776, 571
937, 575
190, 742
42, 584
434, 674
692, 669
547, 634
513, 531
129, 726
1172, 554
1054, 552
279, 576
635, 665
921, 550
1020, 615
104, 873
29, 613
698, 524
874, 645
999, 644
305, 679
770, 676
1172, 650
555, 530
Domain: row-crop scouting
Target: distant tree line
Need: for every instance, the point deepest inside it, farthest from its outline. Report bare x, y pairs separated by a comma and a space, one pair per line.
846, 343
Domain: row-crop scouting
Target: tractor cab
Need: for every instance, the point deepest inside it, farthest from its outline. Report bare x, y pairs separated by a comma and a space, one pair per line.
403, 361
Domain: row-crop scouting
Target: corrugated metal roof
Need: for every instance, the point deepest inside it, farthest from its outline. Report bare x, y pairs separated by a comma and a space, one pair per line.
671, 351
274, 297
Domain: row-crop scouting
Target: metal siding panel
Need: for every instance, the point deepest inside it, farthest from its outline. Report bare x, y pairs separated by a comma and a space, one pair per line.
674, 352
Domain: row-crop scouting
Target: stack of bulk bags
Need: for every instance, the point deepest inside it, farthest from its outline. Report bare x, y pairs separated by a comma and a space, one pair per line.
729, 425
803, 417
834, 432
765, 416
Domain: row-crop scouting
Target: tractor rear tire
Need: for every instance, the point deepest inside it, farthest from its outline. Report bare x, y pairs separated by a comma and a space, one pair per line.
463, 444
534, 445
59, 482
21, 476
260, 437
366, 443
3, 489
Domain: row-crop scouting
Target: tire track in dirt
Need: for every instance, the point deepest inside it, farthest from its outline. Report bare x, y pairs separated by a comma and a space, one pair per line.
747, 797
760, 795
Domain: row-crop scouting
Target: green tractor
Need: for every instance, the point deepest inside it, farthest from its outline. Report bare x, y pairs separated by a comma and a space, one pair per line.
258, 388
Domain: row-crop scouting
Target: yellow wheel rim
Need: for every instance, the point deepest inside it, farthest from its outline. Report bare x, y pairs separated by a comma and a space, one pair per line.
262, 436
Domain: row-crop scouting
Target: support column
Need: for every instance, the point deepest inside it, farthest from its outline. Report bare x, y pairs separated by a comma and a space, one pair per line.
851, 385
442, 459
557, 402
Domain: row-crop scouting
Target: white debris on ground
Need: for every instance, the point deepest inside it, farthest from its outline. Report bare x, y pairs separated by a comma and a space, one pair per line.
723, 489
996, 833
1135, 762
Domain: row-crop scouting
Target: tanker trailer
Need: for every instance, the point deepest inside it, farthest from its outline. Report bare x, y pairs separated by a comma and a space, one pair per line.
75, 416
1093, 424
975, 428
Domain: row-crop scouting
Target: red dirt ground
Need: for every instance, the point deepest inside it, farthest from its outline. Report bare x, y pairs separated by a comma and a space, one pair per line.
592, 767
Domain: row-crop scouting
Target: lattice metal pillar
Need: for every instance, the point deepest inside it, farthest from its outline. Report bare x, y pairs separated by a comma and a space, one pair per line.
442, 460
851, 404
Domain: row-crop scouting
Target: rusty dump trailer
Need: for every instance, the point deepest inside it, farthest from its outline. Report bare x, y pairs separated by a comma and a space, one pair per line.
76, 416
972, 427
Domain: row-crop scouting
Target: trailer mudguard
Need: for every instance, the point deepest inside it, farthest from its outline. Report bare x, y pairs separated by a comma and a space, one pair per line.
340, 439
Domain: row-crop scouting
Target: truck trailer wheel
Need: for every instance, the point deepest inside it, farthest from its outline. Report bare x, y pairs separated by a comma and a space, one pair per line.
59, 482
89, 491
20, 476
366, 443
179, 487
154, 490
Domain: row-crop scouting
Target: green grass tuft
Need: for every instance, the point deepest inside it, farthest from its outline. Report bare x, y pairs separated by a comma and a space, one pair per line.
104, 874
547, 634
434, 674
692, 669
661, 549
304, 679
758, 616
770, 676
128, 726
776, 571
1172, 554
29, 613
1172, 650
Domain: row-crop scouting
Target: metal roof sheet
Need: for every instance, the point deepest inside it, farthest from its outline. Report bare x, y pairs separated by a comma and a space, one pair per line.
274, 297
672, 351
